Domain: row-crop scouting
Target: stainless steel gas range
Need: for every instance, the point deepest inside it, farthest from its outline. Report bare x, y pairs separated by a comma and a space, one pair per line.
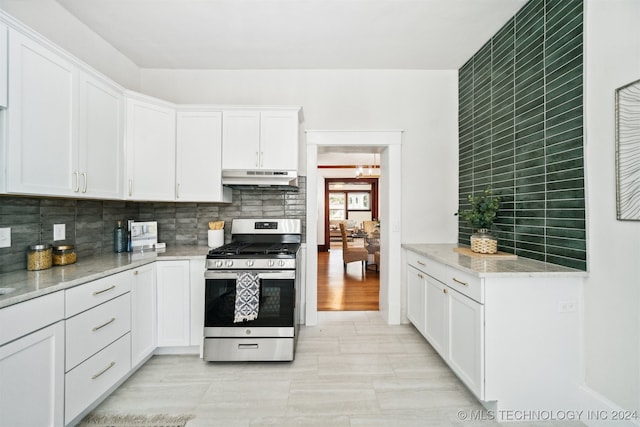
252, 291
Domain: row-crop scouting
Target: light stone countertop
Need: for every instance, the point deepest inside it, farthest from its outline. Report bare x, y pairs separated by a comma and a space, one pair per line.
32, 284
486, 267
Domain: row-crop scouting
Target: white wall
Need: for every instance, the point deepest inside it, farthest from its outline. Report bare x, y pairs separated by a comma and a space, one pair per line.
54, 22
612, 291
421, 103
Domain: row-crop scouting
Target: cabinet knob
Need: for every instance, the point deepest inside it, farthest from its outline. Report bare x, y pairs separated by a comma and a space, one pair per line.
445, 291
135, 273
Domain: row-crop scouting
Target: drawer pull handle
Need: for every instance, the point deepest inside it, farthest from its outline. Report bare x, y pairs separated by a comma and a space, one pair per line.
461, 282
424, 264
111, 365
247, 346
104, 290
97, 328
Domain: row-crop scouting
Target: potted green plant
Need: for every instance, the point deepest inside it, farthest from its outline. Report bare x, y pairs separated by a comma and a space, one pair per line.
484, 208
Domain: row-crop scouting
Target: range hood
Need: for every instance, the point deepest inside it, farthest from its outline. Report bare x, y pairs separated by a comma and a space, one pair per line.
261, 178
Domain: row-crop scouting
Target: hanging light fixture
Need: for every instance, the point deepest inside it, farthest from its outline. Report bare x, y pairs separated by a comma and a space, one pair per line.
370, 173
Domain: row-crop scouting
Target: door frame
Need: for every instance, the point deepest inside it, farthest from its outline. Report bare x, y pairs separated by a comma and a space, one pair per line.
374, 204
388, 142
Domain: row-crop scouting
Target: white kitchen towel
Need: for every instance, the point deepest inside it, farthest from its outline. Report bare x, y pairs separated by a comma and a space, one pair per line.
247, 297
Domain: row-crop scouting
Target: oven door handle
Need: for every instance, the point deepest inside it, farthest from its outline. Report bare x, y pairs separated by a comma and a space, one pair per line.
262, 275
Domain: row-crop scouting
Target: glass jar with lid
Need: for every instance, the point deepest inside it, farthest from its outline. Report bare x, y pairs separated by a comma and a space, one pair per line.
39, 257
64, 254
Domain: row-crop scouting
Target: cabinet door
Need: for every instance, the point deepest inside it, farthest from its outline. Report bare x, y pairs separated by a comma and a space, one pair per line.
240, 139
173, 303
436, 315
143, 313
32, 379
199, 157
101, 162
151, 151
42, 120
466, 341
279, 140
197, 268
416, 298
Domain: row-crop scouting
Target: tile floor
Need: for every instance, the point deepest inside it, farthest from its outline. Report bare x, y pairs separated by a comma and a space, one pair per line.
350, 370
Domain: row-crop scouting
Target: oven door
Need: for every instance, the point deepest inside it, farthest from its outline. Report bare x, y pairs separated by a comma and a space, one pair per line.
276, 312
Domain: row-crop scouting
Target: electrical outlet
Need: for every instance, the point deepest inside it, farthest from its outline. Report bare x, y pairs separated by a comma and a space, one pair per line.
5, 237
567, 306
59, 232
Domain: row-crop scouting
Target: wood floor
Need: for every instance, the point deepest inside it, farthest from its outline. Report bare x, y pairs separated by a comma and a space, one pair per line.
352, 290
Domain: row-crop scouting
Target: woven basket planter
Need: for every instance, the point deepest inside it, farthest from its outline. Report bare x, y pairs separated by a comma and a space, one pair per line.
484, 243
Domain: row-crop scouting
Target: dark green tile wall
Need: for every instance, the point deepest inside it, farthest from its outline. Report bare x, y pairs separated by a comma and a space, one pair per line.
521, 132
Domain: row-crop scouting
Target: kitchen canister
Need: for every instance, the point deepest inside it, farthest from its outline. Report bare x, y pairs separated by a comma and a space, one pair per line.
39, 257
215, 238
64, 255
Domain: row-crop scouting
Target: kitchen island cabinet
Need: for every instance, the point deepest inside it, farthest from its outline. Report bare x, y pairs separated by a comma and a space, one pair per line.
507, 328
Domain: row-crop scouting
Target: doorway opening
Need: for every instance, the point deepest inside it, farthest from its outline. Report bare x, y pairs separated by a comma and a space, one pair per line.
350, 202
387, 145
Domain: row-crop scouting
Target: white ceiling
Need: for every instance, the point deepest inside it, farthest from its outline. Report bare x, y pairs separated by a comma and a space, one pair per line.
296, 34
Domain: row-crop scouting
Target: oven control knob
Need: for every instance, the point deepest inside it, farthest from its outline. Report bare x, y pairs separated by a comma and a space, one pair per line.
219, 263
281, 263
247, 331
271, 263
250, 263
229, 263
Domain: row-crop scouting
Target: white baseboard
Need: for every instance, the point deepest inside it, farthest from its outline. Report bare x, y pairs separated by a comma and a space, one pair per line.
601, 412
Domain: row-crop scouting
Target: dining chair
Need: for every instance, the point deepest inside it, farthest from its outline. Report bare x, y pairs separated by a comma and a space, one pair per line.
350, 254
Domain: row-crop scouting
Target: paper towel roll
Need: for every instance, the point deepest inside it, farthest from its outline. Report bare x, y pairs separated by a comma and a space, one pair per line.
216, 238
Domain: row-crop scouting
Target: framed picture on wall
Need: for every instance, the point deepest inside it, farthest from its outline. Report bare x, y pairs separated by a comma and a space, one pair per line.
628, 152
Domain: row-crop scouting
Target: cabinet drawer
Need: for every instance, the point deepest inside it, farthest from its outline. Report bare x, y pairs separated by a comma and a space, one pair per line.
23, 318
94, 329
465, 283
90, 294
88, 381
427, 265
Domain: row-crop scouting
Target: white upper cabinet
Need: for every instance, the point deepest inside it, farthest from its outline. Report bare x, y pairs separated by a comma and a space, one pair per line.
241, 140
199, 158
150, 139
279, 140
260, 139
4, 52
100, 165
42, 120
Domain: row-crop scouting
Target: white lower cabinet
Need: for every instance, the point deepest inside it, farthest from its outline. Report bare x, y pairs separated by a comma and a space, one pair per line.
32, 362
449, 320
436, 314
498, 332
465, 340
416, 298
32, 379
173, 303
143, 313
196, 270
90, 380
